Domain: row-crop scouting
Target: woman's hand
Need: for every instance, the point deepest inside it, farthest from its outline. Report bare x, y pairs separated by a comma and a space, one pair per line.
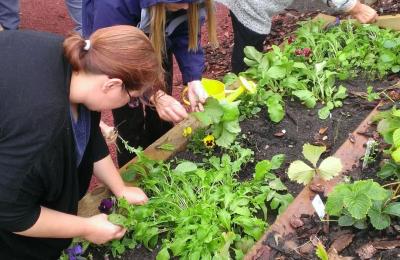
133, 195
168, 108
363, 13
197, 95
99, 230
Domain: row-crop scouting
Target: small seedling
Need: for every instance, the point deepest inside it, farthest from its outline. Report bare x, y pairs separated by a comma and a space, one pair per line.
302, 173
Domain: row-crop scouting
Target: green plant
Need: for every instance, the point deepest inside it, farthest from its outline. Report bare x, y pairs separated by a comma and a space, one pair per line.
201, 209
223, 118
302, 173
361, 201
321, 252
308, 66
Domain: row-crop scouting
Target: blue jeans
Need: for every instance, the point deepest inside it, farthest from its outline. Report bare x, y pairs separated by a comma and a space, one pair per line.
75, 11
9, 14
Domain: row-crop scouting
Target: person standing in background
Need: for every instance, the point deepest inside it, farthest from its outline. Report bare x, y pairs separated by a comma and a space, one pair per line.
174, 29
9, 15
10, 18
252, 20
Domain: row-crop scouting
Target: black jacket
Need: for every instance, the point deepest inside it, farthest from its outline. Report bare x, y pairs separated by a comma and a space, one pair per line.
37, 150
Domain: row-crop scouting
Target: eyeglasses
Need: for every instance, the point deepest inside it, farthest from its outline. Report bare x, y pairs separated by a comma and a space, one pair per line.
136, 101
133, 101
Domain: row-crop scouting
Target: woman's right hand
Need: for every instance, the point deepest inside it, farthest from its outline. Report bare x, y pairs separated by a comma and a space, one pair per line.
99, 230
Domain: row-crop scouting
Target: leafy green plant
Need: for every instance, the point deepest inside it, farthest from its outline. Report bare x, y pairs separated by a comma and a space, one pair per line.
302, 173
223, 118
309, 64
321, 252
201, 209
361, 201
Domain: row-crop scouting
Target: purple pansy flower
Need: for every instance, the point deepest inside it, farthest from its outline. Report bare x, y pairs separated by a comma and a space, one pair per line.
106, 206
74, 252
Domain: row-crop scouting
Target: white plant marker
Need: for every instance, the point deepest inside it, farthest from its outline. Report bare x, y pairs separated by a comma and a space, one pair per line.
319, 206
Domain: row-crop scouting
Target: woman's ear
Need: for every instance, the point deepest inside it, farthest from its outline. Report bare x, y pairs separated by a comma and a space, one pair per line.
111, 84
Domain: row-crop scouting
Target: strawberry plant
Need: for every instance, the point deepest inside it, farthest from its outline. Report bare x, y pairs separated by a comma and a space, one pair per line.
360, 202
302, 173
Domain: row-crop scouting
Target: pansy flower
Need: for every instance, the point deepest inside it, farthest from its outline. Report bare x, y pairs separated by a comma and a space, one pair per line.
74, 252
187, 131
106, 206
209, 141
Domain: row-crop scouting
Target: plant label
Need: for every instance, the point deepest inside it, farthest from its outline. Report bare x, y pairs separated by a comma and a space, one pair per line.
319, 206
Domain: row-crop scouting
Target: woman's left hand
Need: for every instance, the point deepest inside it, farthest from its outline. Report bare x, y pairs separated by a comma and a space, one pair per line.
169, 109
363, 13
197, 95
134, 195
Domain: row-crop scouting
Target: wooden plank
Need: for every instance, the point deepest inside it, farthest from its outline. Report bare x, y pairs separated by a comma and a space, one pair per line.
88, 204
389, 22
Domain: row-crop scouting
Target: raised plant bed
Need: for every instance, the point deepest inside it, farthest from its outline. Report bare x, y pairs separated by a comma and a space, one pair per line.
301, 125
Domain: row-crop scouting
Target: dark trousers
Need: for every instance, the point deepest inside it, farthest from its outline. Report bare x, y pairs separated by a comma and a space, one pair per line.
242, 37
138, 128
9, 14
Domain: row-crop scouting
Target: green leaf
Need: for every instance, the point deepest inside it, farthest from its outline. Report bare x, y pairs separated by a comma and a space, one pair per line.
163, 254
186, 167
360, 224
312, 153
392, 209
117, 219
166, 147
262, 168
178, 245
226, 139
225, 219
277, 184
378, 220
299, 65
324, 113
230, 110
387, 170
275, 109
396, 138
252, 53
340, 93
330, 167
243, 211
358, 205
395, 68
345, 221
389, 44
396, 155
306, 96
374, 190
276, 72
334, 204
230, 78
232, 126
277, 161
321, 252
212, 112
300, 172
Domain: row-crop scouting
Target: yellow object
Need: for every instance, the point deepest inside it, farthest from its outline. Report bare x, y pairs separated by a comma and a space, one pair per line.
187, 131
214, 88
209, 141
245, 84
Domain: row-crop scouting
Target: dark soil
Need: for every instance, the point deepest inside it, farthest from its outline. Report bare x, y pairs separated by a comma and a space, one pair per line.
302, 125
383, 244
